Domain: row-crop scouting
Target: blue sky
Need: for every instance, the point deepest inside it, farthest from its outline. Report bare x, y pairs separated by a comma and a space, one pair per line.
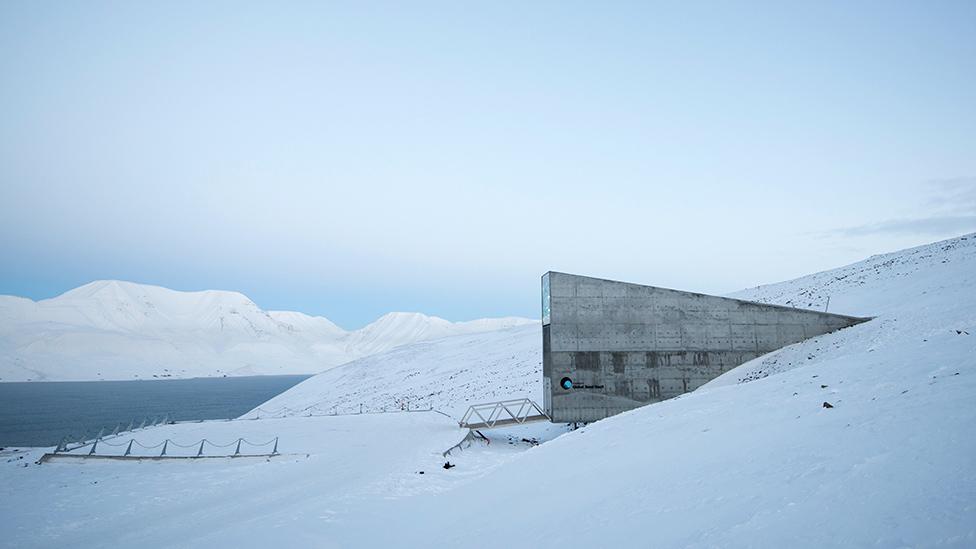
349, 159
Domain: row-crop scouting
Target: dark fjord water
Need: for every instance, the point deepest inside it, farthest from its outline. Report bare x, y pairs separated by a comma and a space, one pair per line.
40, 413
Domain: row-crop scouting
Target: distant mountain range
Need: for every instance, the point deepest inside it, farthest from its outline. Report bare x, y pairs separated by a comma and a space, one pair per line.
111, 329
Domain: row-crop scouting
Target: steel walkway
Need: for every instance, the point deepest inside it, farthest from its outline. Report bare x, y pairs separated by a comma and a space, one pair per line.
503, 413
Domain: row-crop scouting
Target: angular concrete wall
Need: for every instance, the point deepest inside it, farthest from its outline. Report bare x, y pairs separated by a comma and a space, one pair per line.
625, 345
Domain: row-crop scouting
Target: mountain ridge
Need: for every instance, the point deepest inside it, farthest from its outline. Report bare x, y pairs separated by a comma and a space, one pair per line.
114, 329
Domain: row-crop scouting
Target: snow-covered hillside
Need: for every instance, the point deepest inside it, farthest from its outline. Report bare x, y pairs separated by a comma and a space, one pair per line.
891, 462
122, 330
923, 297
860, 438
447, 374
450, 374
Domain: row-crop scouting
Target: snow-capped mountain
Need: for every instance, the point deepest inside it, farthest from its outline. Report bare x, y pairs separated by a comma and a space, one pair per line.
754, 459
121, 330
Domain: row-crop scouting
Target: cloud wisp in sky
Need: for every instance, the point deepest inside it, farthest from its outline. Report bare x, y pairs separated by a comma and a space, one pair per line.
953, 211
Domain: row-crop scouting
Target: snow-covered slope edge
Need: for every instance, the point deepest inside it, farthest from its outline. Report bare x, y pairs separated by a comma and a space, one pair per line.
890, 463
448, 374
924, 296
452, 373
863, 438
122, 330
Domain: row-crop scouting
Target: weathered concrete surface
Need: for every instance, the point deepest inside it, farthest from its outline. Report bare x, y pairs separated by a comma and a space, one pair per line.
625, 345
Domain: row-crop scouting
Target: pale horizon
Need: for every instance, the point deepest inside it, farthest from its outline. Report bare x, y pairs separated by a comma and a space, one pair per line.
347, 161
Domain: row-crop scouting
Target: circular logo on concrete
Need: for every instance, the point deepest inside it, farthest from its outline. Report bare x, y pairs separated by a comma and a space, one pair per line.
566, 383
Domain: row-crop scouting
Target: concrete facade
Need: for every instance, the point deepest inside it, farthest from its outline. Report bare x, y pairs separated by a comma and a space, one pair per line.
623, 345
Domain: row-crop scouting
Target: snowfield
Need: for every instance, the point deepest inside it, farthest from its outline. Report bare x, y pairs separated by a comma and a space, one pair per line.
120, 330
327, 467
448, 374
860, 438
924, 301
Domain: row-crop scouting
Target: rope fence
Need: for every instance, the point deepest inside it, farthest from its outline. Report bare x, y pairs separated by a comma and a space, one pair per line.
317, 411
241, 446
70, 444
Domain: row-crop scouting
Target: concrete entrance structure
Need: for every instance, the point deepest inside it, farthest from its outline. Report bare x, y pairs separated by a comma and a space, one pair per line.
611, 346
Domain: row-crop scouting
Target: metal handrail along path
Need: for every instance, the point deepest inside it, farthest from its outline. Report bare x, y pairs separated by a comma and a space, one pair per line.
499, 414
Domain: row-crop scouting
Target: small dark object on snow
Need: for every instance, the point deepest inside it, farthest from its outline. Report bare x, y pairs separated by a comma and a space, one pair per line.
960, 332
823, 386
827, 405
420, 472
448, 465
794, 394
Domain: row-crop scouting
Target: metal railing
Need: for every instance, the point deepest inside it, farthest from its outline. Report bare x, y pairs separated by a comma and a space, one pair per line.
499, 414
98, 449
317, 411
71, 442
